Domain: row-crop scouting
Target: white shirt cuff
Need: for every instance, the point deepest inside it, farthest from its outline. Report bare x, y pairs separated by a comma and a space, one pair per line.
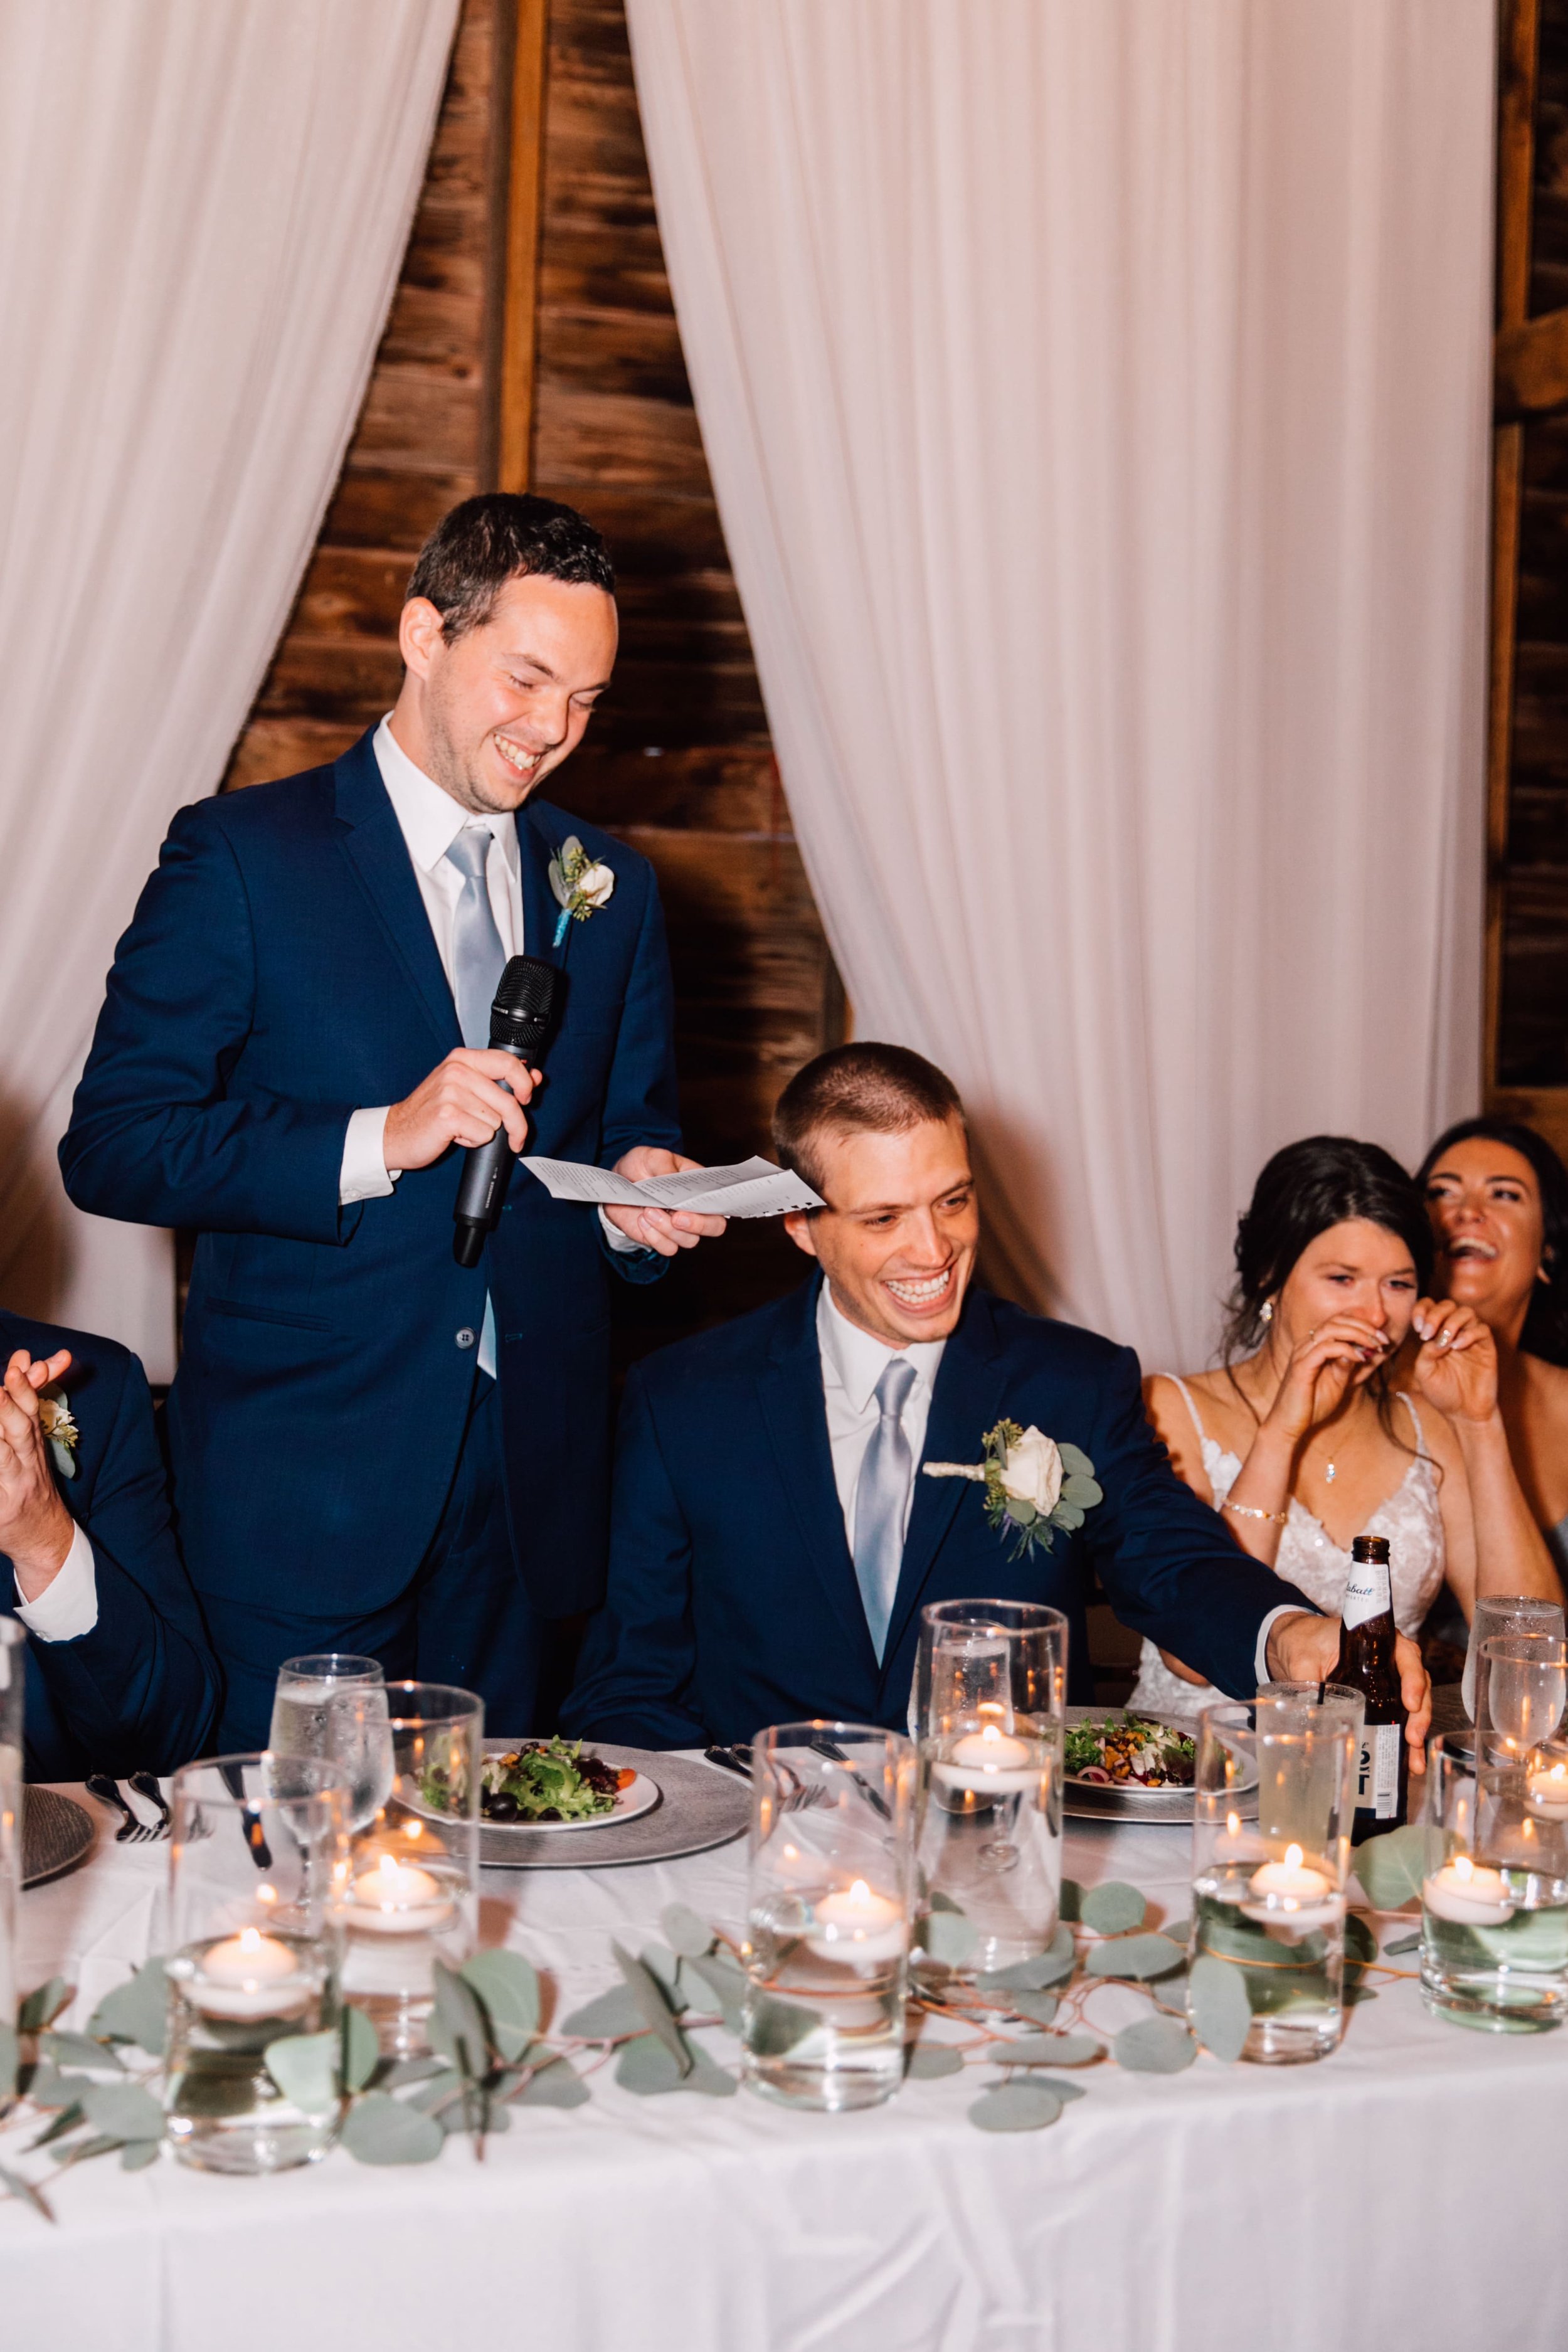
622, 1243
1260, 1659
364, 1174
67, 1606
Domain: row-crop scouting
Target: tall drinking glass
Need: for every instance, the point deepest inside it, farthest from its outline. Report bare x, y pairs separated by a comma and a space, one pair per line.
990, 1683
1504, 1612
257, 1870
829, 1914
1273, 1806
334, 1706
13, 1641
414, 1898
1523, 1685
1494, 1898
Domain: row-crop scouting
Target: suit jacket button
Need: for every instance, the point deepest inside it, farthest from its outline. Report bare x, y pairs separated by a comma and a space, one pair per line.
464, 1337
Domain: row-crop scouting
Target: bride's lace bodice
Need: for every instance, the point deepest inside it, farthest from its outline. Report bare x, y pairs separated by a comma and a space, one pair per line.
1310, 1558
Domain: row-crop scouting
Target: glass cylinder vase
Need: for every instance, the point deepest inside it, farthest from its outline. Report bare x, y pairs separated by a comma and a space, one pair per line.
257, 1871
1494, 1893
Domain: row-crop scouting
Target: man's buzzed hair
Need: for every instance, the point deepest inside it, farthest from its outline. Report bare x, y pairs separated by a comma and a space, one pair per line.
880, 1090
499, 536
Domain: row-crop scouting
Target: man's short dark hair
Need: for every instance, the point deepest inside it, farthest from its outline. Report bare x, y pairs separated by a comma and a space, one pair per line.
503, 535
880, 1089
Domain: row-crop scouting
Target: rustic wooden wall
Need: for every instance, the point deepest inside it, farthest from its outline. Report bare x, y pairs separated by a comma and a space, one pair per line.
678, 760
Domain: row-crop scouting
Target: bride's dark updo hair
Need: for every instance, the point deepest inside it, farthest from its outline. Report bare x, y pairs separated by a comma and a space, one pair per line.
1324, 1180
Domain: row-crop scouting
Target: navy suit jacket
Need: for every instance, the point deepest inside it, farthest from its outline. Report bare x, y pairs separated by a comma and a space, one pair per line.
280, 973
138, 1692
732, 1601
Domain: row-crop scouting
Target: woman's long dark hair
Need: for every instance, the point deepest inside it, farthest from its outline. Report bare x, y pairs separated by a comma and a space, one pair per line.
1545, 1332
1323, 1180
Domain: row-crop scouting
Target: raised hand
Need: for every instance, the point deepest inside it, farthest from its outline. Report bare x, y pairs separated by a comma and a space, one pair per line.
36, 1529
463, 1100
1457, 1368
1344, 1351
1306, 1649
663, 1229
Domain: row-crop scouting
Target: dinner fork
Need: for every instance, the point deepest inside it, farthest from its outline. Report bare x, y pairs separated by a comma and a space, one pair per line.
145, 1785
133, 1831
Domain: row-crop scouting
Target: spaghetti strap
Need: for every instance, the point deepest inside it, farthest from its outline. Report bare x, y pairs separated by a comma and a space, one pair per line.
1406, 1400
1177, 1382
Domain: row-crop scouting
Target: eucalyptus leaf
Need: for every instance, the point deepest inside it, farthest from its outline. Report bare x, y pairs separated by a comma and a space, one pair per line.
65, 2121
1063, 2086
43, 2003
359, 2052
719, 1978
137, 2154
456, 2027
10, 2059
1047, 1968
666, 1966
1067, 1516
1361, 1938
1112, 1908
25, 2189
1083, 1491
1355, 1992
646, 2067
1218, 2006
1075, 1460
1392, 1867
47, 2087
1016, 2107
82, 2151
552, 2085
942, 1901
685, 1933
380, 2130
508, 1988
1070, 1900
606, 2018
1048, 2050
403, 2071
1143, 1957
1039, 2008
649, 1995
437, 2091
1022, 1514
774, 2027
305, 2068
123, 2108
949, 1937
929, 2060
1155, 2045
78, 2050
1404, 1944
137, 2010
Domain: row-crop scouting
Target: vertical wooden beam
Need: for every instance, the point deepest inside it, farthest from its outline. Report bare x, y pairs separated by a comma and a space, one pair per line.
521, 148
1519, 29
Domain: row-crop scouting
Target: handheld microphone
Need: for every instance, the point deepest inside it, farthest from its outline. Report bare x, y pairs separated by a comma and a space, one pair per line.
520, 1023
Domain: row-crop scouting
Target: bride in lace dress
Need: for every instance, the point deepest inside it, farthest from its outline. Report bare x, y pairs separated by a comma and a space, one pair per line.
1360, 1407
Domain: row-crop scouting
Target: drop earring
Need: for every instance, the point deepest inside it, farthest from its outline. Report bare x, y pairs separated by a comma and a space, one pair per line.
1265, 1312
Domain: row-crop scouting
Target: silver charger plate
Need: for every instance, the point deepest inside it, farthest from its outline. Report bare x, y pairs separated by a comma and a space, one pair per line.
55, 1833
1091, 1800
698, 1807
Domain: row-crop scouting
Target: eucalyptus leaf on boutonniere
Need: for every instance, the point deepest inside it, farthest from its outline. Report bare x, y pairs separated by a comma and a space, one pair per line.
55, 1413
1032, 1484
580, 885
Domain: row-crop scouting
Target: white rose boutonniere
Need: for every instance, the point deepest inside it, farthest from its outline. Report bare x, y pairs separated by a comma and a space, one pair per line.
55, 1413
581, 884
1032, 1484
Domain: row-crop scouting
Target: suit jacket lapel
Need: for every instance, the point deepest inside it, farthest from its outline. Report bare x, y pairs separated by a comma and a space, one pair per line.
967, 1401
540, 914
376, 850
790, 1392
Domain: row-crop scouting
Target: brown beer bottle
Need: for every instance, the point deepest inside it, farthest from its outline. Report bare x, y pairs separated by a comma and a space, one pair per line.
1366, 1664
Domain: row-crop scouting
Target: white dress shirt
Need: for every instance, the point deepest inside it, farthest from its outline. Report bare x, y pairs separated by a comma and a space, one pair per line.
853, 1362
67, 1608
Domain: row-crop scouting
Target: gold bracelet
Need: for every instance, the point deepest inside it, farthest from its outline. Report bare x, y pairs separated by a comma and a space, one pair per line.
1248, 1511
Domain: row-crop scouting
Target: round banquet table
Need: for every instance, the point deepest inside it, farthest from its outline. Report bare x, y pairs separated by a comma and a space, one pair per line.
1408, 2191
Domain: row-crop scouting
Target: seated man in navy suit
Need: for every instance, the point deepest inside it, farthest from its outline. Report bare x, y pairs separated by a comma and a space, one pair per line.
119, 1677
772, 1542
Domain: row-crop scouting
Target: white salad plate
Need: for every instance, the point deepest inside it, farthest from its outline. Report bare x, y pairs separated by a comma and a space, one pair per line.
640, 1797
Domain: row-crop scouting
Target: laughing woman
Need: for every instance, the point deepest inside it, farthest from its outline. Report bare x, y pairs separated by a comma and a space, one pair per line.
1497, 1195
1361, 1406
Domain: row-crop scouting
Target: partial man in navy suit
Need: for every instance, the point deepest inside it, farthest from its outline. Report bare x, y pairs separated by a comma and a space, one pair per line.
374, 1448
120, 1676
773, 1539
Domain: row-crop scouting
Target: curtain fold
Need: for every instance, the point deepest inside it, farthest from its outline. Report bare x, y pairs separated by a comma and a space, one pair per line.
1096, 395
206, 208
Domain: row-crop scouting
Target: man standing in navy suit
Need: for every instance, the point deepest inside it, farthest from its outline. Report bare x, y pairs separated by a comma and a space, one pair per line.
774, 1541
375, 1449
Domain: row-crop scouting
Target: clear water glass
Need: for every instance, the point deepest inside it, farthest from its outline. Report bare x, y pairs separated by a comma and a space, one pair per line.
829, 1914
414, 1892
257, 1871
1504, 1612
13, 1678
1523, 1684
1273, 1806
1494, 1895
990, 1684
334, 1706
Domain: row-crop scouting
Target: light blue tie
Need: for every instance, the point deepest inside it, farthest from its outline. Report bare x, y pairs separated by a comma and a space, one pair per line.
881, 1494
479, 958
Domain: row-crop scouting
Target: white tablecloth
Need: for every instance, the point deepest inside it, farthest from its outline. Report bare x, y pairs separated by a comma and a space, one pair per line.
1408, 2192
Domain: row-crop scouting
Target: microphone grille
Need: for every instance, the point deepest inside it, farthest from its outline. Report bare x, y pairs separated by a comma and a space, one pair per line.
525, 999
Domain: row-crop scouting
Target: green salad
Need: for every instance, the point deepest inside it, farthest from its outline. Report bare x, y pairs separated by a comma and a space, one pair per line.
1128, 1751
549, 1781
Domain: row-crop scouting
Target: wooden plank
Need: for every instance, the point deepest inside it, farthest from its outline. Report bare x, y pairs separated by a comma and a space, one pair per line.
284, 747
1543, 1108
519, 330
626, 352
584, 438
1529, 370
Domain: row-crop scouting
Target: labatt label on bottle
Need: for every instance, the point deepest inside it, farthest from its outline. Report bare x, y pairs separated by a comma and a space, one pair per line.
1377, 1781
1369, 1592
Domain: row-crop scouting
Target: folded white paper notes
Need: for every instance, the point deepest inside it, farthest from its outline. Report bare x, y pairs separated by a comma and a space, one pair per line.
752, 1188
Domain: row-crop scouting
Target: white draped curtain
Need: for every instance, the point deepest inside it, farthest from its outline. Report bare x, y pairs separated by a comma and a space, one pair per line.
203, 209
1096, 396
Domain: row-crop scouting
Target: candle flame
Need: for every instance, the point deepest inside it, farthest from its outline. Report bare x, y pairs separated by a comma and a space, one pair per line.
1463, 1866
413, 1829
1292, 1857
250, 1939
859, 1892
1233, 1823
267, 1895
1557, 1772
990, 1733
